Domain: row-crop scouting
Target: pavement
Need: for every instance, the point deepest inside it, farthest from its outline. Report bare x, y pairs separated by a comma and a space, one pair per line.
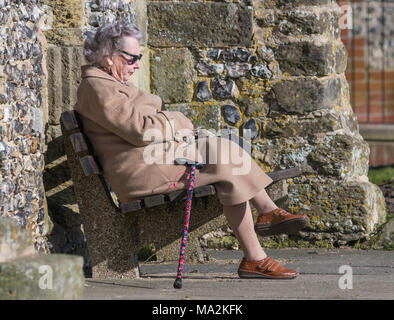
324, 274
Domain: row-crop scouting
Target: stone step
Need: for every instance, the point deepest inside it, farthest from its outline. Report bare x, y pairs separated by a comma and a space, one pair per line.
49, 277
15, 242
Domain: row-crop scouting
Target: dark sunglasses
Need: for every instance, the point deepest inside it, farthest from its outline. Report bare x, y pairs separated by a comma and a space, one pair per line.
133, 59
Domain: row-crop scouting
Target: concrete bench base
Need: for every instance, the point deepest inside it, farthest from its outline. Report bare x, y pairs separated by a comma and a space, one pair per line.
114, 239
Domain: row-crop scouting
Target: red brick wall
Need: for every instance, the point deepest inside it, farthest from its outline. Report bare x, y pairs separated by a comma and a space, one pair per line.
371, 89
381, 153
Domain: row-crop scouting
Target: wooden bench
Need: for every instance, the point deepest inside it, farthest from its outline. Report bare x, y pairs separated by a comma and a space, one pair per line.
106, 221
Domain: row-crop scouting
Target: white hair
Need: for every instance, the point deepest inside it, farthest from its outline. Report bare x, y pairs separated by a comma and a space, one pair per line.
107, 40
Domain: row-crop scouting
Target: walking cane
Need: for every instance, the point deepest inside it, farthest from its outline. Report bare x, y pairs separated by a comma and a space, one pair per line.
193, 166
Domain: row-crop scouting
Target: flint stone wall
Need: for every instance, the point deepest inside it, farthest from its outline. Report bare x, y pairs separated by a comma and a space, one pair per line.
22, 142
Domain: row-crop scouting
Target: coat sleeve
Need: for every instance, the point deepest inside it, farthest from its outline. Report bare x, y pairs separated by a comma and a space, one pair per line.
115, 112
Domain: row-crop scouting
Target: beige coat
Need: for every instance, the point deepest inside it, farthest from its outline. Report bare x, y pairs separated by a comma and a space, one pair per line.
115, 118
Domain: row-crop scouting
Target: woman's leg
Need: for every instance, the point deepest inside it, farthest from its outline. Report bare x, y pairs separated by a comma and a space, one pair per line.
263, 203
240, 220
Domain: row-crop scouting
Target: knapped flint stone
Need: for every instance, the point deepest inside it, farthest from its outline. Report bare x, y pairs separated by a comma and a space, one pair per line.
306, 58
261, 71
250, 129
236, 55
195, 24
3, 99
203, 93
214, 54
35, 14
4, 56
243, 55
231, 114
223, 88
265, 18
4, 15
205, 69
237, 69
305, 95
13, 73
267, 54
95, 19
218, 68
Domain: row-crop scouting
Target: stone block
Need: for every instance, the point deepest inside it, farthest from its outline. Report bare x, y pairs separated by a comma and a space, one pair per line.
323, 154
306, 58
339, 155
64, 69
140, 10
72, 60
64, 37
320, 121
195, 24
347, 210
15, 242
306, 22
202, 115
67, 14
386, 237
172, 75
340, 57
42, 277
282, 4
55, 95
141, 77
306, 95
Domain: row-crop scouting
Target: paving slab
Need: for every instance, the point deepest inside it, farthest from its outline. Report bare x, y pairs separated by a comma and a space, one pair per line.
371, 272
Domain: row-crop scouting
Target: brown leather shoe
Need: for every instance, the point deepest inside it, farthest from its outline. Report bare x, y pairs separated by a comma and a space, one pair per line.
266, 268
279, 221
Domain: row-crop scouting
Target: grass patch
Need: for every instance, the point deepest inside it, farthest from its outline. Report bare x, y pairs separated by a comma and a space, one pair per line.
147, 253
381, 175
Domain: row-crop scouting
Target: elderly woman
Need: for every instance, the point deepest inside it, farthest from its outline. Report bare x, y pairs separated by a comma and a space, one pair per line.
119, 120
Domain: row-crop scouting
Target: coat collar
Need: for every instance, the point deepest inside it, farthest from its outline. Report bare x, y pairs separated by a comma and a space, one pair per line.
89, 71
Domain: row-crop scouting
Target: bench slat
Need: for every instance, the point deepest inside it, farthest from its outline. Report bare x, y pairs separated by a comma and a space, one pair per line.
155, 200
177, 195
130, 206
204, 191
284, 174
69, 120
90, 166
78, 142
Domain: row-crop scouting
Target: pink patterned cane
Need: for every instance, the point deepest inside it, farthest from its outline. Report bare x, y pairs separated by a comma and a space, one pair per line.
178, 280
